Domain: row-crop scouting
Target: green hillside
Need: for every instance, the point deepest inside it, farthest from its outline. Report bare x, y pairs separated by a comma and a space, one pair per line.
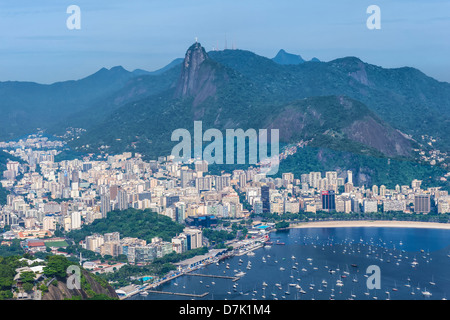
367, 170
142, 224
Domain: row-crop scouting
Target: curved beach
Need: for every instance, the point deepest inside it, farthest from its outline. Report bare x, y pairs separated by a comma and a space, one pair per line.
373, 223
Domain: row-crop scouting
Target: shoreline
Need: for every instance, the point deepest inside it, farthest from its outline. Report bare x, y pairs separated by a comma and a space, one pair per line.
371, 223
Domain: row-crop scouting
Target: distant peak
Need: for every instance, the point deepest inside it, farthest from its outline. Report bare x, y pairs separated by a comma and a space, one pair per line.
113, 69
348, 59
284, 57
196, 45
190, 79
195, 55
117, 68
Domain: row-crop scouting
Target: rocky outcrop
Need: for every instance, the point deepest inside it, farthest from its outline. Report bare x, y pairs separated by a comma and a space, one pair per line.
339, 118
380, 136
197, 77
61, 292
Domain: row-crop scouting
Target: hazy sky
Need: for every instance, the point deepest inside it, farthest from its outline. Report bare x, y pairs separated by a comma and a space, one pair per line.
36, 45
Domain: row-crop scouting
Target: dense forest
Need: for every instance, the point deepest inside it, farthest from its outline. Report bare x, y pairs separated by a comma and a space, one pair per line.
142, 224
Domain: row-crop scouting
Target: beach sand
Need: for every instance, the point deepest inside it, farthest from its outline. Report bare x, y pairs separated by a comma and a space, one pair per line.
368, 223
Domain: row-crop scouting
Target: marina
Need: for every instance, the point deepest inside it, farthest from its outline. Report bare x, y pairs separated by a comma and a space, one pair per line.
327, 264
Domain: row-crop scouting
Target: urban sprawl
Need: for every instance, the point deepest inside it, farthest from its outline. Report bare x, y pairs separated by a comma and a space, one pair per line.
45, 195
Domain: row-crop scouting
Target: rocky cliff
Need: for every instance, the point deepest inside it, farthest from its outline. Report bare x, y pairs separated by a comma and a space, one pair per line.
90, 289
198, 75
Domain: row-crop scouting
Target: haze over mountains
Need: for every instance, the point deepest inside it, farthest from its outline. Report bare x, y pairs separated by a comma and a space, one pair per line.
345, 104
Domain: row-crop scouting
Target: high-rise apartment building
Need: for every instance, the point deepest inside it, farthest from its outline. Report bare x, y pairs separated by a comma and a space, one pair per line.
422, 203
328, 200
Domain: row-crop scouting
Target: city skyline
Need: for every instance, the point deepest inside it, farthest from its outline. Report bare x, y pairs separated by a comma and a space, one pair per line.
123, 211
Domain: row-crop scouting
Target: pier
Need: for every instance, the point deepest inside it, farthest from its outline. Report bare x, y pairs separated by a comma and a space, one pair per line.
248, 250
180, 293
212, 276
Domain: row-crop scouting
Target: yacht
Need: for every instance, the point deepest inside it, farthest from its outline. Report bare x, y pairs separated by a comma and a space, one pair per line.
408, 284
426, 293
240, 274
395, 287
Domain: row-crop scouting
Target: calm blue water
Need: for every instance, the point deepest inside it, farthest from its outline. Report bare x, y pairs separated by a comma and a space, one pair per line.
309, 254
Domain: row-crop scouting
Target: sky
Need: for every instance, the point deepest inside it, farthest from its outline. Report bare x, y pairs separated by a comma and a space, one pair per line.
36, 45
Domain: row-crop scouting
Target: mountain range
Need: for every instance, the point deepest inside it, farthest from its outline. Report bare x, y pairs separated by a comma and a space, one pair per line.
344, 104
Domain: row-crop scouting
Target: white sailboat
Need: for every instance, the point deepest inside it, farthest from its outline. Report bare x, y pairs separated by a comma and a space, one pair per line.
288, 291
426, 293
432, 281
408, 284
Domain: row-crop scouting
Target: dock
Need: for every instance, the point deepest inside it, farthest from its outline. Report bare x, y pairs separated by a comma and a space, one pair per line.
212, 276
248, 250
180, 293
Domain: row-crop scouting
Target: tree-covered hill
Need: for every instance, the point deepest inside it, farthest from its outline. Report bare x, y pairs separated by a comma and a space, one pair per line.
142, 224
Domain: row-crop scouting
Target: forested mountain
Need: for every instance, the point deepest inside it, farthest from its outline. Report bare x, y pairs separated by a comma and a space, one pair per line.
345, 105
